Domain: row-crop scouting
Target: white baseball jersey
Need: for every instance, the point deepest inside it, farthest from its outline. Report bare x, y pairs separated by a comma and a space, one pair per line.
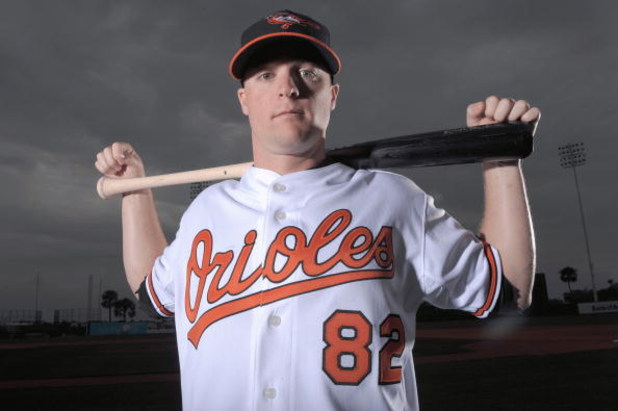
299, 292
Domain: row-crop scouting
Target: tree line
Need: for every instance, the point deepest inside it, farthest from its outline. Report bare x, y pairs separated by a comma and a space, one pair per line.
569, 275
122, 307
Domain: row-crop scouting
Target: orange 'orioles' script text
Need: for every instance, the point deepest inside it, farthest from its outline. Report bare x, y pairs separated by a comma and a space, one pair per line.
357, 249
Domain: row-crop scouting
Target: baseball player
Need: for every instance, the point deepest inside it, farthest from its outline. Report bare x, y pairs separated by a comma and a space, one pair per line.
296, 288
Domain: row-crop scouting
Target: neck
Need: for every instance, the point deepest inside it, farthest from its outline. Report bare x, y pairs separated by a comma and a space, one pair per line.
289, 163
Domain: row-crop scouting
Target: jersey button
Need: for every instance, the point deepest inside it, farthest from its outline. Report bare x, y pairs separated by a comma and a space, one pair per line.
280, 215
274, 321
279, 188
270, 393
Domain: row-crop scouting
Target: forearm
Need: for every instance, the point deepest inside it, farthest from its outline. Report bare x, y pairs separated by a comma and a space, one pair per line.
142, 236
507, 225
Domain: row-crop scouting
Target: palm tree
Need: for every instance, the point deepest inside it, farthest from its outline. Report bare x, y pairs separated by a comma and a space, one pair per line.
108, 300
568, 275
123, 308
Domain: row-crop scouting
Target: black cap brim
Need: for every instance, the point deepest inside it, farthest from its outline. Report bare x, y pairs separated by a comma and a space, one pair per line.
238, 63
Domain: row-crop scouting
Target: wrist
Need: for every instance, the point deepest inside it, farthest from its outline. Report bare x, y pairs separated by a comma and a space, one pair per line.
136, 195
491, 164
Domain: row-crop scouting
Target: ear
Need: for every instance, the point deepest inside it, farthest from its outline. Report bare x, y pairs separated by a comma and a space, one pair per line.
334, 92
242, 99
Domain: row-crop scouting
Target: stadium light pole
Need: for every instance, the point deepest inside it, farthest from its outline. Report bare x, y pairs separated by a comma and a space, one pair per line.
36, 298
572, 156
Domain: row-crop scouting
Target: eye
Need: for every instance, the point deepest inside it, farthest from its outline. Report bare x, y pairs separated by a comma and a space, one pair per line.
265, 75
309, 74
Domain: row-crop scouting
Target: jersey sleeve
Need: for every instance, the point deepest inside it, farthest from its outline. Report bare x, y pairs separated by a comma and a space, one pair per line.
460, 271
169, 269
143, 301
160, 283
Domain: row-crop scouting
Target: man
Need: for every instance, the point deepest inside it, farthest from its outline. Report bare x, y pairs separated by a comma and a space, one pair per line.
297, 287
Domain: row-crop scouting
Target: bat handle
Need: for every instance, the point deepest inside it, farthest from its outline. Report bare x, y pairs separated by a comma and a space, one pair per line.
108, 186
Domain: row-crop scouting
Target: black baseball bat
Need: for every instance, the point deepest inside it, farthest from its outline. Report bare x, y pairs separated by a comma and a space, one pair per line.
445, 147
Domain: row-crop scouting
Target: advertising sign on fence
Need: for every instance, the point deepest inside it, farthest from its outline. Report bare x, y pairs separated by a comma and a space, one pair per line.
598, 308
117, 328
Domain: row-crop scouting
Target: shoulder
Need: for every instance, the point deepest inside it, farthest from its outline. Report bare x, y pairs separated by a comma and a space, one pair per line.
387, 180
212, 197
216, 192
391, 191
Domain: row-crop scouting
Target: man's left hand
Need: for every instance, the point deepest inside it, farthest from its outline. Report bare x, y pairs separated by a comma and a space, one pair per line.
498, 110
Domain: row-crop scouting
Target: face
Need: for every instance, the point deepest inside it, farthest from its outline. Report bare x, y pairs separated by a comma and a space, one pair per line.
288, 103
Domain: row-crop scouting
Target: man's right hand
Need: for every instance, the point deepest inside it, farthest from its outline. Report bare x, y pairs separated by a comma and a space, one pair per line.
120, 160
142, 236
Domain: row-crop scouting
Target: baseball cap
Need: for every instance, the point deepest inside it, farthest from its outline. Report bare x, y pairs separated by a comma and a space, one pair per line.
288, 25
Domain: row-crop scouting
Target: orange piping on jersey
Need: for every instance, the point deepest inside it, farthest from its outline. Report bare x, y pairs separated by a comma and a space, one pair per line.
277, 294
493, 286
156, 300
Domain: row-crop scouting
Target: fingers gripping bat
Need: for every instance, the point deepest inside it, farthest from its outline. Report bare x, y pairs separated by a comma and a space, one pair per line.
454, 146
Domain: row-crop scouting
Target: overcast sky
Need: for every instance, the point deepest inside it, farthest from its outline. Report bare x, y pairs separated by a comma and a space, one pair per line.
77, 75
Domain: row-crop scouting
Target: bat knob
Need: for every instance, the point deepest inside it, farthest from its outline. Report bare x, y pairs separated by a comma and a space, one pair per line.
101, 188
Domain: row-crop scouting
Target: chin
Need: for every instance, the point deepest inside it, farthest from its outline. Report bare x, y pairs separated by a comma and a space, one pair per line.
296, 135
296, 144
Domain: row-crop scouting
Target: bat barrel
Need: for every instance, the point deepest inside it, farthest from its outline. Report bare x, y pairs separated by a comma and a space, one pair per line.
455, 146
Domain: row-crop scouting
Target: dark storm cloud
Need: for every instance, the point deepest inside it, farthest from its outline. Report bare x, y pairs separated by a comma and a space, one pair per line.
78, 75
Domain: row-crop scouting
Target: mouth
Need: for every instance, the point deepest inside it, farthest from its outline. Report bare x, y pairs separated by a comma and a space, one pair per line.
289, 113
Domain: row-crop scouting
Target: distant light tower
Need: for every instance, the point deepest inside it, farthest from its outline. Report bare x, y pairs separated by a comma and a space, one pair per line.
37, 317
573, 156
89, 306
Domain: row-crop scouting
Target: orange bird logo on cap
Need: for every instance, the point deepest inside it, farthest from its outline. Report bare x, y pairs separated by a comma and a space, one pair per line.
287, 20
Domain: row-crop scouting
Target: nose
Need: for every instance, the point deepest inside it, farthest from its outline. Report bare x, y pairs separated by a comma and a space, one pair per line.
288, 86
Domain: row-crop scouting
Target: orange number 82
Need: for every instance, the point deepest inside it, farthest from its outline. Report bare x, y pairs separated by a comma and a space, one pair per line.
346, 358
